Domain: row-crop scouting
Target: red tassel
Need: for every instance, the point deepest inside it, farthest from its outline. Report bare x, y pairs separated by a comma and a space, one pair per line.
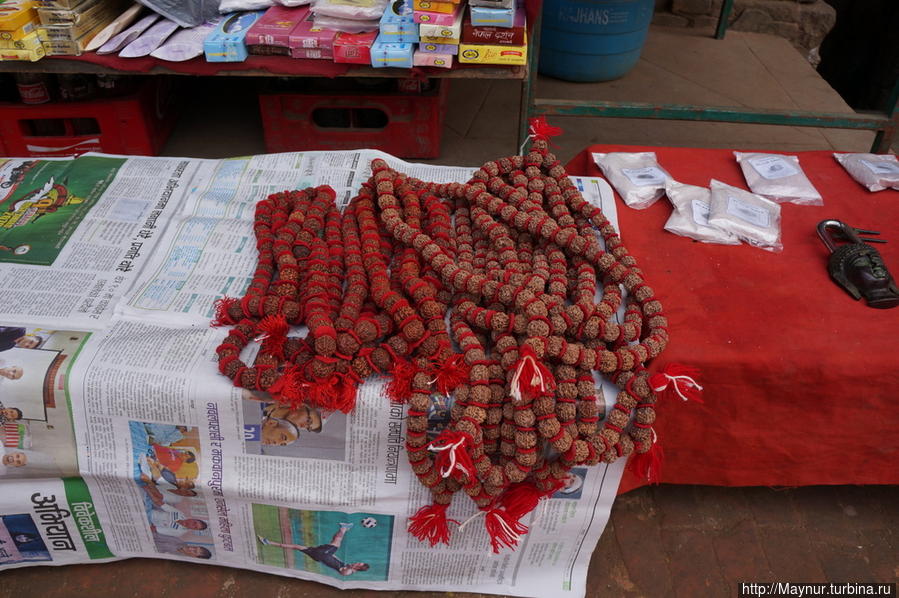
648, 465
503, 529
540, 129
289, 389
273, 335
336, 392
399, 389
221, 306
679, 380
430, 523
451, 373
521, 499
532, 378
452, 456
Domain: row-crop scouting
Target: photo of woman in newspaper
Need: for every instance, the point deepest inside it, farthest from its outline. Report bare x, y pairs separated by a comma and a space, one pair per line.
303, 432
20, 541
331, 543
166, 467
35, 423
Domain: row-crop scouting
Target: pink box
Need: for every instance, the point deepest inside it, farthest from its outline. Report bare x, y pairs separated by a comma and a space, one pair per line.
274, 27
435, 18
306, 37
444, 61
354, 48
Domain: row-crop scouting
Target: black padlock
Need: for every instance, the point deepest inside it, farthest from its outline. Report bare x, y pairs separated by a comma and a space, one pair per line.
858, 267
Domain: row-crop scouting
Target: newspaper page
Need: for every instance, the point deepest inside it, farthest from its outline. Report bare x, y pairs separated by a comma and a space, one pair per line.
124, 425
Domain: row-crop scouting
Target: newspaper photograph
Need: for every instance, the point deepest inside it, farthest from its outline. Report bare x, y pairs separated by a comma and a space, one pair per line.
121, 439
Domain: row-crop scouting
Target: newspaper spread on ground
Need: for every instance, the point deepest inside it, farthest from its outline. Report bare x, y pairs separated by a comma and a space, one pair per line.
120, 438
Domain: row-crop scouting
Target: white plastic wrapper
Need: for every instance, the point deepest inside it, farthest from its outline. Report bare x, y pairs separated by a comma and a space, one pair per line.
637, 177
344, 25
150, 39
357, 10
226, 6
187, 13
752, 218
293, 2
690, 217
874, 172
120, 40
185, 44
779, 178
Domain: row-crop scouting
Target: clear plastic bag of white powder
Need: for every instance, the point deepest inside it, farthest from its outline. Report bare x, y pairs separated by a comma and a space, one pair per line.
875, 172
637, 177
752, 218
779, 178
690, 217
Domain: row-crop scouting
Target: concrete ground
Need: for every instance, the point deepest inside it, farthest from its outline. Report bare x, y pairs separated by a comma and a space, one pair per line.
661, 541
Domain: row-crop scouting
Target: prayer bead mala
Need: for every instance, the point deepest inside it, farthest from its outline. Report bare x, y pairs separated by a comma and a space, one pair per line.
506, 269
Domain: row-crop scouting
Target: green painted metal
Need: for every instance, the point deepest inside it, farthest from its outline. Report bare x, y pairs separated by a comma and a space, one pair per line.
796, 118
723, 18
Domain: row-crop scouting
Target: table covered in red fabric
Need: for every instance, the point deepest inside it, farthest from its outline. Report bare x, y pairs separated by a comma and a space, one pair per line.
801, 382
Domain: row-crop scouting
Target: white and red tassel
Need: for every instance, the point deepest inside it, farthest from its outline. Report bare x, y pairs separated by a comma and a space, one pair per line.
648, 465
431, 523
452, 454
504, 529
678, 379
531, 378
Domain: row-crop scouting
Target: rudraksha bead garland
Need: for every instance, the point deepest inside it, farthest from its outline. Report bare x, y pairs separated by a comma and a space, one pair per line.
511, 261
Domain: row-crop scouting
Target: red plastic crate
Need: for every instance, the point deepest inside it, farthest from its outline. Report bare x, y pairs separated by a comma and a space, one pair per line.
136, 124
402, 124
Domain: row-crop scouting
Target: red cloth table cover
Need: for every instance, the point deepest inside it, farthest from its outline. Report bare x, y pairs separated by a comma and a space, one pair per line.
801, 382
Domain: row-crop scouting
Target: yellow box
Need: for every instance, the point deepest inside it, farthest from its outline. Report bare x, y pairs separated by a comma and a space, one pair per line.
428, 39
431, 6
15, 16
28, 55
30, 42
483, 54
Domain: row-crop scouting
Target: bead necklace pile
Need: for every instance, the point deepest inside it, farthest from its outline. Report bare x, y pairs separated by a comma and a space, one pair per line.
506, 269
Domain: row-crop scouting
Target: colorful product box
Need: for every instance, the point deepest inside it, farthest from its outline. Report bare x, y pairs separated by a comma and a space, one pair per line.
435, 18
30, 42
445, 31
89, 23
387, 54
354, 48
430, 48
431, 6
493, 3
492, 17
506, 36
309, 41
451, 41
227, 42
23, 55
270, 34
484, 54
17, 20
398, 24
59, 15
444, 61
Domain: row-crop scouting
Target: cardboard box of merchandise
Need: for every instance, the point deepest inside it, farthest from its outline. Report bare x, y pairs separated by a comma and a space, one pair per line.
398, 24
485, 54
385, 53
89, 24
227, 41
20, 55
274, 27
453, 31
17, 19
354, 48
430, 48
506, 36
493, 3
453, 41
492, 17
432, 59
309, 41
58, 15
436, 18
69, 4
32, 41
433, 6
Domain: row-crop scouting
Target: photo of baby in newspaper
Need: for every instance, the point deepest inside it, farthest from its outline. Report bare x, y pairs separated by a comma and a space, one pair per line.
331, 543
304, 432
21, 541
35, 423
166, 466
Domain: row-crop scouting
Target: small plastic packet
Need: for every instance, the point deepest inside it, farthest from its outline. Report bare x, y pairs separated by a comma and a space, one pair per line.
752, 218
228, 6
690, 217
357, 10
637, 177
875, 172
779, 178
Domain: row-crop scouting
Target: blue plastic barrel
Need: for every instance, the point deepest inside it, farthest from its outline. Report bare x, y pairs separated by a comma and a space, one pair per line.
592, 40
